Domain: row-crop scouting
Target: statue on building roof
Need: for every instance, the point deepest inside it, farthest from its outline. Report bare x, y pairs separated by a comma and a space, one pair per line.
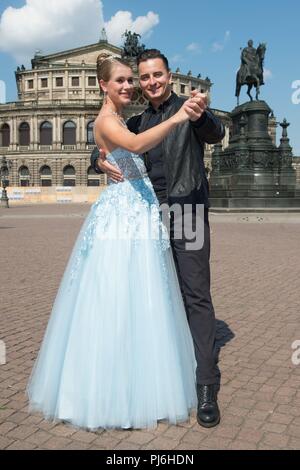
103, 35
132, 48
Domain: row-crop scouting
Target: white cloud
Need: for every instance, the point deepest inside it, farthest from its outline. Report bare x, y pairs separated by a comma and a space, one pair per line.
57, 25
123, 20
219, 46
267, 74
194, 47
176, 58
49, 26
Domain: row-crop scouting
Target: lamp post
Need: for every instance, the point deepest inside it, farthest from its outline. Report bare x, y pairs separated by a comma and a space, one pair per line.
4, 181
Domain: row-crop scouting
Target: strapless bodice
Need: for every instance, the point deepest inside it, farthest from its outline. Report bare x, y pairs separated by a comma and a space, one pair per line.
131, 165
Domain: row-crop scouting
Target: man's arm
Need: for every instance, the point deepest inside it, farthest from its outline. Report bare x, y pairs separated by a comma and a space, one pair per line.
94, 157
209, 128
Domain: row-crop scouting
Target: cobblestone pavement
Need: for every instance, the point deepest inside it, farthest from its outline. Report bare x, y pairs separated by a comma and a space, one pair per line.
256, 292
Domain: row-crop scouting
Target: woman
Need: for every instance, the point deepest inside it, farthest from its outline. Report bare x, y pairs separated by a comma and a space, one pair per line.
118, 351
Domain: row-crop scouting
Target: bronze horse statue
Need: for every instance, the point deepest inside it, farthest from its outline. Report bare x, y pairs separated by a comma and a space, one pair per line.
256, 78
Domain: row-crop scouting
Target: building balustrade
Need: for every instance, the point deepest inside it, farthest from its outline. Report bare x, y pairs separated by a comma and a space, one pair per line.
42, 148
23, 148
45, 147
68, 147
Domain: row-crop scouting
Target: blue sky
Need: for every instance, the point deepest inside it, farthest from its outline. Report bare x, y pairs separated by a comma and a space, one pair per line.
202, 36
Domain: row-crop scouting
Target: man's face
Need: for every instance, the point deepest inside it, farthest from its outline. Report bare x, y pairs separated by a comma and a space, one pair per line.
155, 80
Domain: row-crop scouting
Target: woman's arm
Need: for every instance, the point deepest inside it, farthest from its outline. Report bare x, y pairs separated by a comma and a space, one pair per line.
113, 134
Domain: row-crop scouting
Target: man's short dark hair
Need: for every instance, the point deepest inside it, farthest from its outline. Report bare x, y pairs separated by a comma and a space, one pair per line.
152, 54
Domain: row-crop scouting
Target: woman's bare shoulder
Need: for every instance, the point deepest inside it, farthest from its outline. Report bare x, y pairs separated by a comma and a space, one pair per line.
107, 122
107, 118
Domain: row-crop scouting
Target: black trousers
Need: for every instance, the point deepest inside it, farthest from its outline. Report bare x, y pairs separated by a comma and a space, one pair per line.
193, 270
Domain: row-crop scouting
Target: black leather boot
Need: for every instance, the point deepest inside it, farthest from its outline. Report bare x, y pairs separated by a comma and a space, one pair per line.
208, 414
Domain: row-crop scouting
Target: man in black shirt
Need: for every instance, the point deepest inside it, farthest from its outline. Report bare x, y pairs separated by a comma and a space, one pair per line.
176, 170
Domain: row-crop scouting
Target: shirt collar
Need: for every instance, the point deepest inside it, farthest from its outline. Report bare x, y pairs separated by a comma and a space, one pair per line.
164, 105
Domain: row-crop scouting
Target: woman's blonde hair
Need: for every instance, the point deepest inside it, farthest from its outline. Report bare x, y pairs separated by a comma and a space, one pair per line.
105, 65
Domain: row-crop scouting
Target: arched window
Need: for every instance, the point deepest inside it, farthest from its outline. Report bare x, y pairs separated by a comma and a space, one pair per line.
90, 133
46, 175
24, 134
24, 176
69, 133
5, 136
46, 133
69, 176
93, 177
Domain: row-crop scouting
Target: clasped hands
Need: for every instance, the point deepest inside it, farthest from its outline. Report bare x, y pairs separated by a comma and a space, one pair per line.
196, 105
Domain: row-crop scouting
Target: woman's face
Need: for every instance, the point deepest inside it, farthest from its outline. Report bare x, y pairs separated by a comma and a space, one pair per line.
120, 86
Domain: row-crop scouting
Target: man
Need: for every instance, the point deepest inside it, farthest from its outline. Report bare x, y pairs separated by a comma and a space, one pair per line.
176, 170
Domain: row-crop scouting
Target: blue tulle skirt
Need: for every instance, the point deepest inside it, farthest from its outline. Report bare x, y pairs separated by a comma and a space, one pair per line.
117, 352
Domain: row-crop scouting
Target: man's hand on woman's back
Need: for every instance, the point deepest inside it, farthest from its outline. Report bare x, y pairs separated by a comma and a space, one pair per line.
110, 170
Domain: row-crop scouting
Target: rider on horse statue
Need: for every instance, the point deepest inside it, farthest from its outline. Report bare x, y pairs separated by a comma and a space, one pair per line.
249, 61
251, 71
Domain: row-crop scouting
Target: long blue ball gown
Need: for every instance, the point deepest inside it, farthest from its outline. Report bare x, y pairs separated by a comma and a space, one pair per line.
118, 352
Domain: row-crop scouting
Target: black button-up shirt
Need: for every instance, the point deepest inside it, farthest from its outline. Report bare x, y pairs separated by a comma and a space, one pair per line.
154, 158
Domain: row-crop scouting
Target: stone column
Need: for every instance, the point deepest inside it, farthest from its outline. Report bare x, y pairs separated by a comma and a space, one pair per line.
13, 173
11, 127
78, 131
15, 137
51, 85
83, 133
37, 164
66, 80
35, 132
31, 133
54, 141
83, 84
83, 172
36, 84
58, 135
60, 177
54, 172
79, 179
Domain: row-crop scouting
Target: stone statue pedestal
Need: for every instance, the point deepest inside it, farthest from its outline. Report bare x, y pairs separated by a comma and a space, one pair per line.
252, 172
